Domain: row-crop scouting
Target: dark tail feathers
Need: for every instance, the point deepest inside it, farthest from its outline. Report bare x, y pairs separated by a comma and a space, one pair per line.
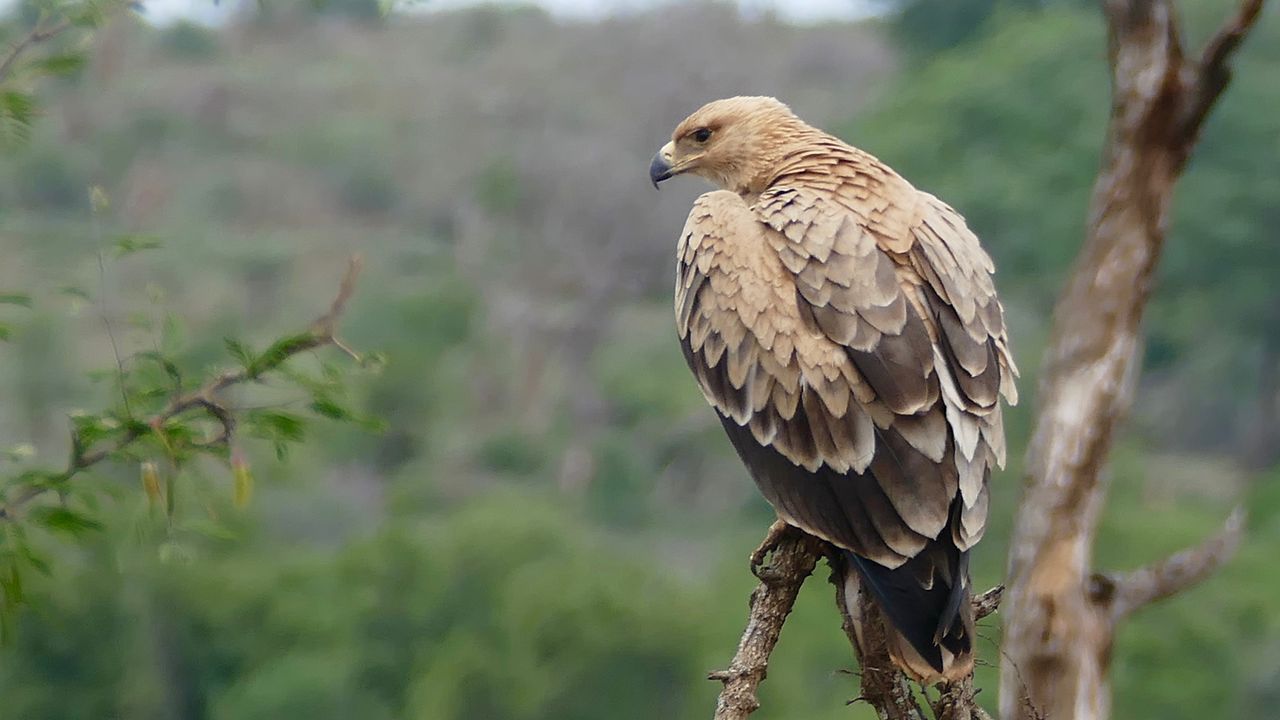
935, 620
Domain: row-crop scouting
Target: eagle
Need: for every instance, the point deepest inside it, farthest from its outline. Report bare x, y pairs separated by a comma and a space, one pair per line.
845, 328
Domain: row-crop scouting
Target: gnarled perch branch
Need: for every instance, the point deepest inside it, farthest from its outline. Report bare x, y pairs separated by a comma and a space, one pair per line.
793, 556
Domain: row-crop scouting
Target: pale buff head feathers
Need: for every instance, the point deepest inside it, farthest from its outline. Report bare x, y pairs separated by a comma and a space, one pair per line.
735, 143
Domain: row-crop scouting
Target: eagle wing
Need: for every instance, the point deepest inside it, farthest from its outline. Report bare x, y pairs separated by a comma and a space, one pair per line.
824, 351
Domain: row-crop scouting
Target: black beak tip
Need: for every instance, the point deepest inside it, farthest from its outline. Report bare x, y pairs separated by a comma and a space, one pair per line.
659, 170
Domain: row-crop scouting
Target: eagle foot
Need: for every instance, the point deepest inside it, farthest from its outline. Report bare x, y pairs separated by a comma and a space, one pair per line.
777, 531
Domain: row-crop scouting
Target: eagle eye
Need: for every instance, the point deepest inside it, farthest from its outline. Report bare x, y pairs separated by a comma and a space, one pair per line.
702, 135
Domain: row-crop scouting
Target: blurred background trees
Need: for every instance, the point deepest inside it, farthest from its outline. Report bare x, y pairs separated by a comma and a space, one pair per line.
551, 522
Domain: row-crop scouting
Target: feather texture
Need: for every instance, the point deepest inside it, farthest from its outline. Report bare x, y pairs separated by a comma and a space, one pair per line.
845, 327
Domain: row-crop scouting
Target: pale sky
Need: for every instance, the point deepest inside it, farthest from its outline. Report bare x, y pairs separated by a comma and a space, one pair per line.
799, 11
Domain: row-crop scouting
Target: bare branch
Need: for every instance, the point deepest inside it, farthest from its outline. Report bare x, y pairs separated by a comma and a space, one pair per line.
957, 702
1213, 72
988, 602
1137, 589
794, 556
321, 333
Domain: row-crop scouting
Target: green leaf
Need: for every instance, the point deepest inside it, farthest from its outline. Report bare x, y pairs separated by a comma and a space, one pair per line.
11, 584
5, 332
129, 244
59, 64
21, 299
326, 407
169, 366
34, 560
239, 351
280, 351
17, 112
65, 520
89, 429
277, 425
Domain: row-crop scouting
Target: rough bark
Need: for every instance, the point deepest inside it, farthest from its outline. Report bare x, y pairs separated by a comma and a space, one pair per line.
1059, 616
792, 557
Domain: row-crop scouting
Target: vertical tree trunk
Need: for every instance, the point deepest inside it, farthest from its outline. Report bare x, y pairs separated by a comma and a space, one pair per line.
1059, 617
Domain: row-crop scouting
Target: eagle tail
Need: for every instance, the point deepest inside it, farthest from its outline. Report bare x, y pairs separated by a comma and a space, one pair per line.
931, 633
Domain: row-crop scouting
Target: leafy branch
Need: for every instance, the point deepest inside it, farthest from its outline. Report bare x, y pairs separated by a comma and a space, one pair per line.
88, 450
18, 106
40, 33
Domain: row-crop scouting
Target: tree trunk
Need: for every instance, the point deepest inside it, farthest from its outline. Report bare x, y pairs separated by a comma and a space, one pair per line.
1059, 616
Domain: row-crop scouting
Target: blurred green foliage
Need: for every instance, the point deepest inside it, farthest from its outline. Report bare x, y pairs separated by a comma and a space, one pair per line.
552, 524
926, 27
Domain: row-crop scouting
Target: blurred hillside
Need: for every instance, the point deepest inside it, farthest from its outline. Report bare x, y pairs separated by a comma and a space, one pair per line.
552, 525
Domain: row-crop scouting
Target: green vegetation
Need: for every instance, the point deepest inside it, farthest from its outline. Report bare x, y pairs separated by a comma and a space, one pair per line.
551, 524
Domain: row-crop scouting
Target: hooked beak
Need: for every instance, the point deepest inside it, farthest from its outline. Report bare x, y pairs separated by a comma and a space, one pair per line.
660, 168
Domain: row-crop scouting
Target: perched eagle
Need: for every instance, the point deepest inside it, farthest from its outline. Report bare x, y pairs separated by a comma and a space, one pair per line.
844, 326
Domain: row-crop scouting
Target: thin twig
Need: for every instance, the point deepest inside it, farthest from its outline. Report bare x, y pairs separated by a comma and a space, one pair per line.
988, 602
104, 301
1211, 75
321, 333
1137, 589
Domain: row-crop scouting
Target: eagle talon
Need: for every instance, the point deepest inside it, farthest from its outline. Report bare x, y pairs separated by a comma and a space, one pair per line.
777, 531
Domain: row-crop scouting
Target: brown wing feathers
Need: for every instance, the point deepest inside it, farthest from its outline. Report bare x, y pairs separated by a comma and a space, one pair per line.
845, 328
782, 380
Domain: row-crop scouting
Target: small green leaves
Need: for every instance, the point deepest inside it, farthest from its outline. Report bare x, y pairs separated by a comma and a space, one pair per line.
130, 244
65, 63
280, 351
17, 112
239, 351
64, 520
89, 429
326, 407
280, 428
